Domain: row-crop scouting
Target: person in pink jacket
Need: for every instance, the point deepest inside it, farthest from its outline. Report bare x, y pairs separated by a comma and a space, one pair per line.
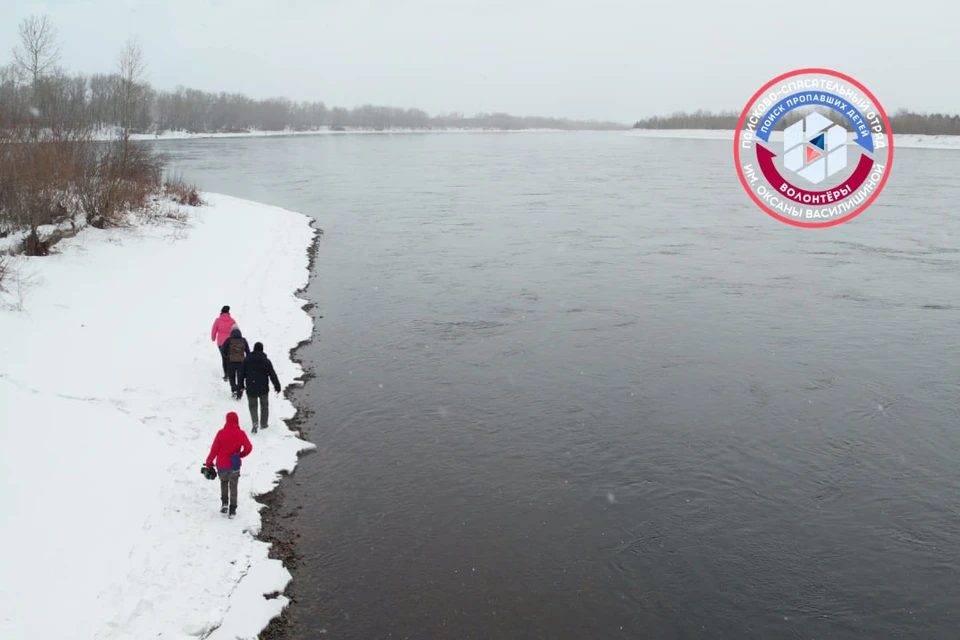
220, 333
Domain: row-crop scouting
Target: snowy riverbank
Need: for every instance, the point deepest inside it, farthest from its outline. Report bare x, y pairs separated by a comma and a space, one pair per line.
112, 393
900, 140
109, 134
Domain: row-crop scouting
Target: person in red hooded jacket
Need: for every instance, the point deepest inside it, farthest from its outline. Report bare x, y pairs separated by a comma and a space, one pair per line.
230, 446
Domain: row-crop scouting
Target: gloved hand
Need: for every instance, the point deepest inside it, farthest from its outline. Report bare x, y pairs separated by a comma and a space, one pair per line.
277, 389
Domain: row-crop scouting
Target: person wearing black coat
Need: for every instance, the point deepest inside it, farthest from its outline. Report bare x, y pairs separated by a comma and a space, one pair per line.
256, 374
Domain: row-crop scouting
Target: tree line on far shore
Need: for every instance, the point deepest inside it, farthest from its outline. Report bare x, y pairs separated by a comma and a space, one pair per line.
40, 92
902, 121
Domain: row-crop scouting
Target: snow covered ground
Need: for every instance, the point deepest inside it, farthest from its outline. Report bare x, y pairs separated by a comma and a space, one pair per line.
900, 140
111, 394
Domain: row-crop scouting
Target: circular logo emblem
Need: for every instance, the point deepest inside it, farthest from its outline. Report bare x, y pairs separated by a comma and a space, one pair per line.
813, 148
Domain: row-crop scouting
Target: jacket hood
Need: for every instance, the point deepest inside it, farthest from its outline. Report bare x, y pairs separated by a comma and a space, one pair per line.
233, 421
235, 333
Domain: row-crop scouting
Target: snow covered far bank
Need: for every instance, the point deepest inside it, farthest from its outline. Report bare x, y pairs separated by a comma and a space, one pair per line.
900, 140
112, 393
108, 134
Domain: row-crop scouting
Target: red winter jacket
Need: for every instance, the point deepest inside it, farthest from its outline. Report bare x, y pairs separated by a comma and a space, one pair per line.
230, 445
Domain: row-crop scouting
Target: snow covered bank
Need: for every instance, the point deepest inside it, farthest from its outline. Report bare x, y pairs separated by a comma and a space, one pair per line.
900, 140
112, 393
109, 134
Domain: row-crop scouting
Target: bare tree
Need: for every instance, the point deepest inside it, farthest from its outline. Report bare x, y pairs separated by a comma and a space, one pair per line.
131, 66
39, 51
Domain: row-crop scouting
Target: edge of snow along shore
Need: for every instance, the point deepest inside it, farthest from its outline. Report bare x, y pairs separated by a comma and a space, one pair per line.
112, 393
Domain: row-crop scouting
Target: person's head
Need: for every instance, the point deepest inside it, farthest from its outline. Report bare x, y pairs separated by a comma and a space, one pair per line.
232, 420
235, 332
258, 346
225, 309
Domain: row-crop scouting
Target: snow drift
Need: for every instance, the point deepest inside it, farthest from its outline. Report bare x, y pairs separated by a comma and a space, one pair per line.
112, 393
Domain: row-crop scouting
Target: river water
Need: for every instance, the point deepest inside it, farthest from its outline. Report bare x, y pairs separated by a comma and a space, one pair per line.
576, 385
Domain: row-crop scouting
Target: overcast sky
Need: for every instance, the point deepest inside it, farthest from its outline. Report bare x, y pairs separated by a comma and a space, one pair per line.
603, 59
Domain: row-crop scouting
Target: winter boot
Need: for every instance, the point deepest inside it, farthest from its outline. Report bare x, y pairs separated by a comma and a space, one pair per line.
254, 430
232, 513
223, 508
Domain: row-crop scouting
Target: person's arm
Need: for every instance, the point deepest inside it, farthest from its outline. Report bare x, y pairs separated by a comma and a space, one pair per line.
246, 346
242, 374
273, 376
213, 331
213, 450
246, 447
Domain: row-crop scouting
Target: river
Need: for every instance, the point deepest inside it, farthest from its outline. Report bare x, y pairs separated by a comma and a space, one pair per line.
576, 385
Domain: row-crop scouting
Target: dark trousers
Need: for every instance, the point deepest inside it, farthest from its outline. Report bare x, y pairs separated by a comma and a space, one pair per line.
233, 374
229, 480
264, 413
223, 358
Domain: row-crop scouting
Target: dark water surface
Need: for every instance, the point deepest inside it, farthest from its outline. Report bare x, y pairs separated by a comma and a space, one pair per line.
578, 386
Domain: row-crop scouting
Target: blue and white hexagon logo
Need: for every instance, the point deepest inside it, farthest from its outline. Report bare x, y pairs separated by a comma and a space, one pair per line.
815, 148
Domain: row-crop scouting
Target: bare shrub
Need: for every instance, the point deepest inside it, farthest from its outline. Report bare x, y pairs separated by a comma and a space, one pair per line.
168, 208
18, 280
37, 178
124, 176
178, 190
177, 222
50, 188
160, 211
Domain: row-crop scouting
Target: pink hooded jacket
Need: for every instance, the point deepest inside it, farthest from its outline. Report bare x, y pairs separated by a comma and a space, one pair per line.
221, 328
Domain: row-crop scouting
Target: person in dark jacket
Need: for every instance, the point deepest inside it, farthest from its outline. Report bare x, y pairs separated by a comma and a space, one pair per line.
229, 447
236, 350
256, 373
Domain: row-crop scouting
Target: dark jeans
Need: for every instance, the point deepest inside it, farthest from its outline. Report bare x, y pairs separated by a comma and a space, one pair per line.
233, 373
223, 358
228, 487
264, 403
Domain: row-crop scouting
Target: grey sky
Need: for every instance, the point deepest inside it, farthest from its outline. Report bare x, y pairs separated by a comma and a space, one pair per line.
604, 59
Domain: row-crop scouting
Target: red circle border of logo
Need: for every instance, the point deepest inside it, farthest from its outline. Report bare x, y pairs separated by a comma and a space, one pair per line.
739, 132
